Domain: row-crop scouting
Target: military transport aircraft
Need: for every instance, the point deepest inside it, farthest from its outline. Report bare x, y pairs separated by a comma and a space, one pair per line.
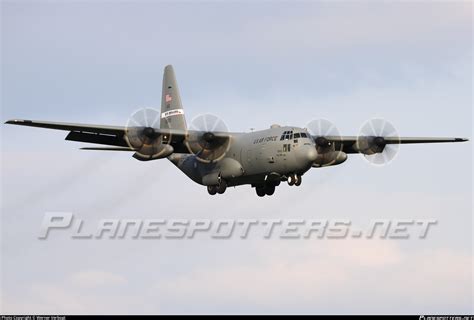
211, 156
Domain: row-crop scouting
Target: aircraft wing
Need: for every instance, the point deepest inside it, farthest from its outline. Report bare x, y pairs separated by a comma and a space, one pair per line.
348, 143
68, 126
111, 135
100, 134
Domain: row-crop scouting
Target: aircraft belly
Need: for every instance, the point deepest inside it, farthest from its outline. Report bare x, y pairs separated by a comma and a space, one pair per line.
188, 165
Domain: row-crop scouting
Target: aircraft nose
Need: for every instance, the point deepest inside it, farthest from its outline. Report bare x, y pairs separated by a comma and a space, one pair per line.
306, 154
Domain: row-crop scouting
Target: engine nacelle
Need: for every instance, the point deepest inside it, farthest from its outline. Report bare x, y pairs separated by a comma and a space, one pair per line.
330, 159
208, 146
369, 145
165, 150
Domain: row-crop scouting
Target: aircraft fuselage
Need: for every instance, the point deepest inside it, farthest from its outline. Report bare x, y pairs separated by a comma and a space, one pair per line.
254, 158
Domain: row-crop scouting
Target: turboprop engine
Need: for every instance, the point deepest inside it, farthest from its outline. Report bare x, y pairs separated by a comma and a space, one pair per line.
325, 133
142, 135
329, 159
208, 138
378, 141
161, 151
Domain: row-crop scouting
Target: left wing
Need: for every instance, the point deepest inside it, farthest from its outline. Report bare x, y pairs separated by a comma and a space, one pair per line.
348, 144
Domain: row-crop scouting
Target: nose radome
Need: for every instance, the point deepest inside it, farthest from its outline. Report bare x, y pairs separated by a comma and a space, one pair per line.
311, 154
307, 153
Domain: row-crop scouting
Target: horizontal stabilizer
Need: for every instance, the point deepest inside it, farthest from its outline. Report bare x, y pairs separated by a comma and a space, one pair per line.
108, 149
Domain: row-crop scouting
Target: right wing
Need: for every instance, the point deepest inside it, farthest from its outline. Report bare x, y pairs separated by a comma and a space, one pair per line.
100, 134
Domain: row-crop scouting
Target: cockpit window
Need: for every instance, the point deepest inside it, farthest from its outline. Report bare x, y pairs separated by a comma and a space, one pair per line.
296, 136
287, 135
303, 135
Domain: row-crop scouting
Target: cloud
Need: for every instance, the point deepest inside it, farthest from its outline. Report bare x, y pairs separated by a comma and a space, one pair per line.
82, 292
349, 276
358, 25
94, 278
353, 276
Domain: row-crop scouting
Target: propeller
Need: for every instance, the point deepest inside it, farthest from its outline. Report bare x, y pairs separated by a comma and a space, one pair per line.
321, 129
142, 136
372, 141
205, 139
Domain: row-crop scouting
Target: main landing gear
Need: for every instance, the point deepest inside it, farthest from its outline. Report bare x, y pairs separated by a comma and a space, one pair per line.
268, 189
220, 188
294, 180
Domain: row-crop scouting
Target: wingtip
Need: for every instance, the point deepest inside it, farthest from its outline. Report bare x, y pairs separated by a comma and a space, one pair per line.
17, 121
461, 139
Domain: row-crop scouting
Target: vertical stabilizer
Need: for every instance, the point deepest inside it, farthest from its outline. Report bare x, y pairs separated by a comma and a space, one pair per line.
172, 113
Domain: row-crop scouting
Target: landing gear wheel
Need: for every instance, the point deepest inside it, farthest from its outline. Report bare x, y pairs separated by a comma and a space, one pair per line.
212, 190
269, 190
298, 180
260, 191
291, 180
221, 187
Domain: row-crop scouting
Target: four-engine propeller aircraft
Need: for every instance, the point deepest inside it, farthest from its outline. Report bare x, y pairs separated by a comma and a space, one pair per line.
211, 156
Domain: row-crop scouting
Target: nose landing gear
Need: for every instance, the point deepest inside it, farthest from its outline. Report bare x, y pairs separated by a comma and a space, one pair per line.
294, 179
298, 180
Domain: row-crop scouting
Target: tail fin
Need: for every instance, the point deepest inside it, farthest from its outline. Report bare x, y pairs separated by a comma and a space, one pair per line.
172, 113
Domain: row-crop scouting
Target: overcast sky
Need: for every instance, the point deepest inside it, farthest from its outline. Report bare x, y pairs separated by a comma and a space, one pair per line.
252, 65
